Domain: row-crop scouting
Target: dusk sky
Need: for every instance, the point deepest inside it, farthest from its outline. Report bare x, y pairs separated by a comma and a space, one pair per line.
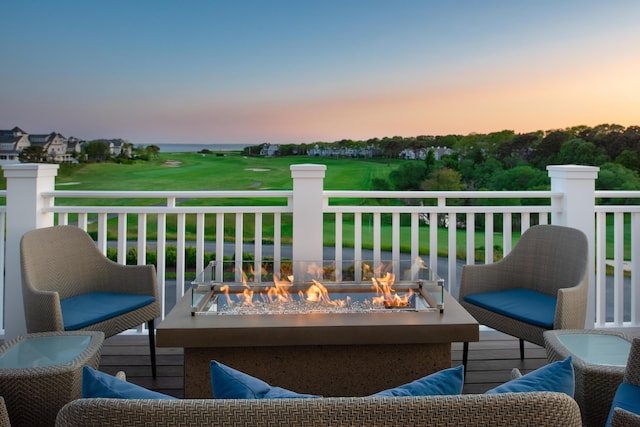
302, 71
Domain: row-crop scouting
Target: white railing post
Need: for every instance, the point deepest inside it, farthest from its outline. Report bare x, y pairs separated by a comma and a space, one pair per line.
25, 211
308, 209
577, 210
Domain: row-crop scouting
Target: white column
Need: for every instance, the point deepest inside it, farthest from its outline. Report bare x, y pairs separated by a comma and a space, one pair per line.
577, 210
308, 207
25, 211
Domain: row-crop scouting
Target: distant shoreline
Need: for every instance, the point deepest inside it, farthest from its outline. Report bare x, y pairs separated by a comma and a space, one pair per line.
194, 148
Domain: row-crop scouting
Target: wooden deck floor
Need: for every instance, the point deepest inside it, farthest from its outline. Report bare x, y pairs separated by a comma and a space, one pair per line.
490, 362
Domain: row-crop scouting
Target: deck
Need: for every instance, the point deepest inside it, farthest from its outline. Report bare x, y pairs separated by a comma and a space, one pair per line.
490, 362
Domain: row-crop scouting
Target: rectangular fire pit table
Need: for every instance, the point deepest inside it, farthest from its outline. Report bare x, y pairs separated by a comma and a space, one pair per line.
331, 354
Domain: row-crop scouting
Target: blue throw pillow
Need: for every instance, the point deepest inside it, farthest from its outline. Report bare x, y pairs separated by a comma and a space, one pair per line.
99, 384
627, 397
556, 376
446, 382
229, 383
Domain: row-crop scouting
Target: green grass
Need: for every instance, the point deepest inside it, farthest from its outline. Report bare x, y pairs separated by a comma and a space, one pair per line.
192, 171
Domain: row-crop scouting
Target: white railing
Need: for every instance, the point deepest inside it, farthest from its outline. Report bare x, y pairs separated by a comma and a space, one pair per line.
618, 234
409, 226
420, 216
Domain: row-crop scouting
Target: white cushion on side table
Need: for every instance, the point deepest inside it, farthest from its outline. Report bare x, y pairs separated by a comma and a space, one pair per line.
599, 359
40, 373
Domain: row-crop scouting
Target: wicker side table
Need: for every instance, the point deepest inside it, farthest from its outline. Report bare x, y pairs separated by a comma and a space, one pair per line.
599, 358
40, 373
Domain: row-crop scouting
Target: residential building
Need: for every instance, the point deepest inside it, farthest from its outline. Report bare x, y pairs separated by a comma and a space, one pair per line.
12, 142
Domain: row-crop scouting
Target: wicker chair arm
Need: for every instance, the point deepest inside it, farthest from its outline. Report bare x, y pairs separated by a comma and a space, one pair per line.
624, 418
570, 308
44, 313
632, 371
484, 278
135, 279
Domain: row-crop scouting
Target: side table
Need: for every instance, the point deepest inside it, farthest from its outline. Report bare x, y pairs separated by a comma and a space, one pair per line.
599, 358
41, 372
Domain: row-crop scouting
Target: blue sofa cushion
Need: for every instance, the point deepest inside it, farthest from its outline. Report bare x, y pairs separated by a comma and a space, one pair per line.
525, 305
86, 309
99, 384
556, 376
627, 397
229, 383
445, 382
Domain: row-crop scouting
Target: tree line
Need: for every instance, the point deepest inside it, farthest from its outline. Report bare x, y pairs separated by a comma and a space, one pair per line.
501, 161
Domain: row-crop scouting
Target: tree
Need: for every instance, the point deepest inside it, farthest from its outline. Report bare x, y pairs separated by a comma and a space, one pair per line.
430, 162
579, 152
96, 151
392, 147
522, 177
480, 175
518, 149
613, 176
408, 176
629, 159
33, 154
153, 150
444, 179
547, 150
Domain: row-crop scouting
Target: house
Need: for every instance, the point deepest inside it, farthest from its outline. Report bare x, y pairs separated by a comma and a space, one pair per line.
54, 144
421, 153
55, 147
270, 150
334, 151
74, 146
119, 147
12, 142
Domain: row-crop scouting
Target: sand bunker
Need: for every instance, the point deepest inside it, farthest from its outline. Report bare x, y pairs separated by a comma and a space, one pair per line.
257, 170
173, 163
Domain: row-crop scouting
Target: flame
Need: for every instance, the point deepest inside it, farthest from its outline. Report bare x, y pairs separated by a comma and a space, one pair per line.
225, 290
280, 290
317, 293
387, 296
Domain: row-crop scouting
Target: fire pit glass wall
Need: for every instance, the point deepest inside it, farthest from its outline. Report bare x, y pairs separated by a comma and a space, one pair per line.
317, 288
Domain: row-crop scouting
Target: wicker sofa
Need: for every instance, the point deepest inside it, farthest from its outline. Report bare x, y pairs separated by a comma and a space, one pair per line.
508, 409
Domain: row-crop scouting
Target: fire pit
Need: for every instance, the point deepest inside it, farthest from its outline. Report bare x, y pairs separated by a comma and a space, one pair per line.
321, 336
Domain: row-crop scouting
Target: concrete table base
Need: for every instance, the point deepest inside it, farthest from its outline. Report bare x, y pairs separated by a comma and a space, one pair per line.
327, 370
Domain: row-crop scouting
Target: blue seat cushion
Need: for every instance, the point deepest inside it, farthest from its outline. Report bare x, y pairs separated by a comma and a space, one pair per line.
627, 397
528, 306
86, 309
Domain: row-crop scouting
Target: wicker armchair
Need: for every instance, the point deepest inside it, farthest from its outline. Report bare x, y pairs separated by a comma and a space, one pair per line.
63, 262
549, 259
